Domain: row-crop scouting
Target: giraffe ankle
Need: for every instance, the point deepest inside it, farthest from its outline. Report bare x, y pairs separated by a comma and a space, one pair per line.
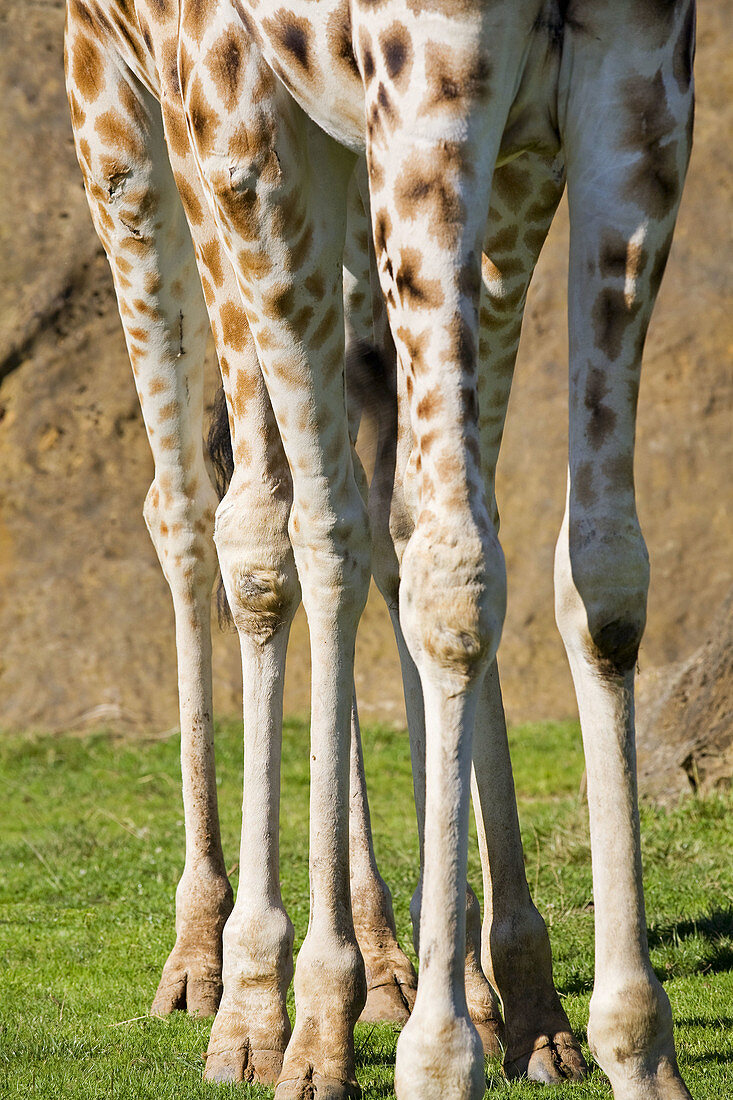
630, 1036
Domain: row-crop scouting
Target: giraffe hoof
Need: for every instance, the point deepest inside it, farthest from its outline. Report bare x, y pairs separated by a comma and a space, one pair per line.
552, 1059
483, 1008
240, 1052
390, 1003
186, 991
312, 1085
390, 976
191, 979
490, 1032
391, 988
243, 1065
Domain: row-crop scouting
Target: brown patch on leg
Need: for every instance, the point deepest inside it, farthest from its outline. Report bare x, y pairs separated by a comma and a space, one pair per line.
653, 182
87, 68
602, 418
611, 318
225, 63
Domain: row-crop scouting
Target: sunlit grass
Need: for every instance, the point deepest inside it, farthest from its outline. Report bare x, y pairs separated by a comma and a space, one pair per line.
91, 849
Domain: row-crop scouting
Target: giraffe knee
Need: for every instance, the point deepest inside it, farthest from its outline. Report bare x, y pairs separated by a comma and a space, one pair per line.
453, 601
262, 600
334, 559
256, 562
234, 181
181, 528
127, 197
601, 585
614, 646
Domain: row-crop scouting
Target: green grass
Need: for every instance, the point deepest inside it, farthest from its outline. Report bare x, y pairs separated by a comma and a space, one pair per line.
90, 851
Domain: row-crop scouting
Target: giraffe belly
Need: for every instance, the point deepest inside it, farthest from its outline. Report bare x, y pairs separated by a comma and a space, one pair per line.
308, 47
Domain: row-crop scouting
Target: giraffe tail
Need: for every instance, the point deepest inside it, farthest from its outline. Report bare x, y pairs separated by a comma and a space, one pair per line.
221, 457
219, 444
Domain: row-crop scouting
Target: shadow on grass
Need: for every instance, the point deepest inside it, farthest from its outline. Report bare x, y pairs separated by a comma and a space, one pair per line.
715, 929
577, 985
705, 1021
711, 1058
700, 946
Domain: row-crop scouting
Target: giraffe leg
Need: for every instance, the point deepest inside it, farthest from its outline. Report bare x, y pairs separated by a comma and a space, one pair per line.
483, 1007
392, 525
138, 216
538, 1042
278, 186
371, 384
524, 194
391, 979
625, 174
389, 520
452, 587
252, 1027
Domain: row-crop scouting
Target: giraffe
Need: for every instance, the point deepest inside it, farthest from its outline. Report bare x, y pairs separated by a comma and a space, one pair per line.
155, 243
503, 84
434, 95
105, 54
192, 974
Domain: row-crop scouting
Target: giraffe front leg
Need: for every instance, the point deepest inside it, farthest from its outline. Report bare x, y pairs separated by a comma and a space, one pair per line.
625, 175
277, 185
139, 218
455, 1018
430, 184
392, 525
252, 1028
440, 1052
481, 1000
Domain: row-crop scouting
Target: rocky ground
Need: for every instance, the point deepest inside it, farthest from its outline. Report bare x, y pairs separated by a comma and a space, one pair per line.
685, 726
85, 620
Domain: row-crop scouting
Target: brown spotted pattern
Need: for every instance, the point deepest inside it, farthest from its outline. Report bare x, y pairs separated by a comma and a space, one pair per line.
249, 94
138, 214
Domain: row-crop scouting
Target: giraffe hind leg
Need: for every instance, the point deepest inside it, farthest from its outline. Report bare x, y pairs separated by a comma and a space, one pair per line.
140, 221
287, 261
391, 978
538, 1041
